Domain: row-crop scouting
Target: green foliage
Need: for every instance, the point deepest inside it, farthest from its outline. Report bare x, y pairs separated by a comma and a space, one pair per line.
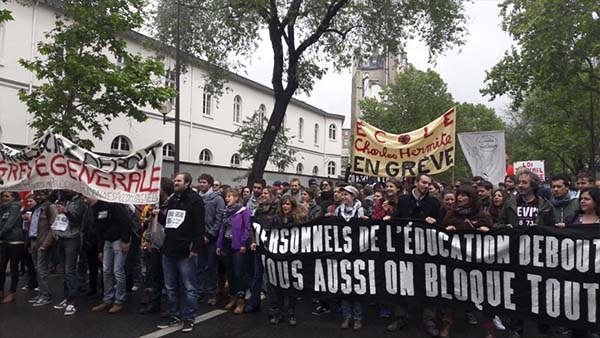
416, 98
307, 38
84, 88
557, 41
251, 131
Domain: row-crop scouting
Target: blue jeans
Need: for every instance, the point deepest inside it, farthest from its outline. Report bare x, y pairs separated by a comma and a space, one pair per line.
113, 269
181, 269
68, 249
351, 309
235, 267
208, 270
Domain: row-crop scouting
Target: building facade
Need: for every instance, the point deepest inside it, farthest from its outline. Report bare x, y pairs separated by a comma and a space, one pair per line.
207, 143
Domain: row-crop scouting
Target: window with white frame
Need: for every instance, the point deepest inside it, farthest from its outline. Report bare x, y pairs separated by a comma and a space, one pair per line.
2, 41
206, 102
315, 171
170, 80
300, 128
262, 114
169, 150
120, 61
237, 108
332, 132
205, 156
236, 160
299, 169
316, 134
120, 145
331, 168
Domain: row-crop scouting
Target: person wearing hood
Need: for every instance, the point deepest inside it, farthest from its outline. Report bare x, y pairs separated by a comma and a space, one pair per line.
563, 205
351, 207
207, 259
12, 242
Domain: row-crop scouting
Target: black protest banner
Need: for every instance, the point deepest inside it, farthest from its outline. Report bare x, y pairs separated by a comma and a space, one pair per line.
542, 273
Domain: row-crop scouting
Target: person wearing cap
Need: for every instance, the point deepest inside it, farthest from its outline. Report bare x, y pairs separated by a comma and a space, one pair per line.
285, 186
351, 207
277, 185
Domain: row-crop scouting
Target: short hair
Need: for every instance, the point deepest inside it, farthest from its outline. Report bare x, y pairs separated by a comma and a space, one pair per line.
187, 178
295, 180
166, 185
206, 177
427, 175
260, 181
510, 177
476, 179
562, 177
585, 175
368, 190
486, 184
534, 178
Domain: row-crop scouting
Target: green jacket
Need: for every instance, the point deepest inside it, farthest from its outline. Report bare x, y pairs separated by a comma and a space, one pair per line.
565, 211
508, 215
11, 225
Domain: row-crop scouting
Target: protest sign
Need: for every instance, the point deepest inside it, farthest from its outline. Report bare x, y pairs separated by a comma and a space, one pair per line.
54, 162
428, 150
542, 273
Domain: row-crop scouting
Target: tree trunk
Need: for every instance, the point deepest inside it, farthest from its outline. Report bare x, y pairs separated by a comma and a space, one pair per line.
266, 143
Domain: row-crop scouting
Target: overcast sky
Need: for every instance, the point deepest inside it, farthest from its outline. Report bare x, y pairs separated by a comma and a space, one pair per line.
463, 69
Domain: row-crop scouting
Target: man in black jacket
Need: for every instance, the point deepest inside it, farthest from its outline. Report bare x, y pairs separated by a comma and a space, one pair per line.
184, 236
418, 204
113, 228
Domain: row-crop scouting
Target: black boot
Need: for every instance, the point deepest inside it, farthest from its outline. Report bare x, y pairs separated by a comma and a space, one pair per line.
149, 308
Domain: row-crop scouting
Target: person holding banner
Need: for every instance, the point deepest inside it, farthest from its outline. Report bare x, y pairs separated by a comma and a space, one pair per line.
12, 242
289, 213
589, 201
466, 215
526, 209
418, 204
351, 207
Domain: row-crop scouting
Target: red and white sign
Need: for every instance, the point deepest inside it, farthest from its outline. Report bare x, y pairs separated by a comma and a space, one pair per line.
536, 167
54, 162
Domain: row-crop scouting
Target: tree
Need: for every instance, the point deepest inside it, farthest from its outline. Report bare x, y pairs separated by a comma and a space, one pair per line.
416, 98
554, 62
250, 132
84, 86
5, 14
306, 37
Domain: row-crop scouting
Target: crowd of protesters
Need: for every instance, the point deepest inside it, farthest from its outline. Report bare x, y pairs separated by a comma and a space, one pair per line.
198, 242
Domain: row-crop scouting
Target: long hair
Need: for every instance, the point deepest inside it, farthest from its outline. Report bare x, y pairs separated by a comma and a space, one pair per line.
595, 194
298, 214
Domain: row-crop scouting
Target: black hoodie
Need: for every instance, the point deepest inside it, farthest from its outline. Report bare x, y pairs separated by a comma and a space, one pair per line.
188, 234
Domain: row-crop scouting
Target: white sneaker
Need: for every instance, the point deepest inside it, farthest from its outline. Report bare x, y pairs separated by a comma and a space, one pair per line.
70, 310
498, 323
42, 302
34, 299
62, 305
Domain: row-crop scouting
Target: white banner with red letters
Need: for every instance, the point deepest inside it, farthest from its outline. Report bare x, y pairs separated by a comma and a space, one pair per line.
54, 162
537, 167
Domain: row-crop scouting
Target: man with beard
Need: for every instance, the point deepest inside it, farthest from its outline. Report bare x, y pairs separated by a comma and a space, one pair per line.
207, 260
526, 209
418, 204
294, 190
184, 235
257, 188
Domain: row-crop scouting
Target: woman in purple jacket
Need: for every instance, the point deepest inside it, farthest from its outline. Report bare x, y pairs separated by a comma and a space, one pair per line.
231, 246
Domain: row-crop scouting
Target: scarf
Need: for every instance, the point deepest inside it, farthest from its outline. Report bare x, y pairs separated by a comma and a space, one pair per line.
348, 212
560, 203
463, 210
205, 194
227, 216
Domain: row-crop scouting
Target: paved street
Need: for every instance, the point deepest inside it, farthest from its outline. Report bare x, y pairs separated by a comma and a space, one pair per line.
22, 320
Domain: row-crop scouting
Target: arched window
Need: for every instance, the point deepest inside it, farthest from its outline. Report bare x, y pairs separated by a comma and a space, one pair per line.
315, 171
262, 114
299, 169
316, 133
206, 102
120, 145
235, 161
300, 128
237, 108
331, 168
332, 132
169, 150
205, 156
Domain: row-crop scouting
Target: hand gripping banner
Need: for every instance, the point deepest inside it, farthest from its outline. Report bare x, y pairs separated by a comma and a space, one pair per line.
54, 162
542, 273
